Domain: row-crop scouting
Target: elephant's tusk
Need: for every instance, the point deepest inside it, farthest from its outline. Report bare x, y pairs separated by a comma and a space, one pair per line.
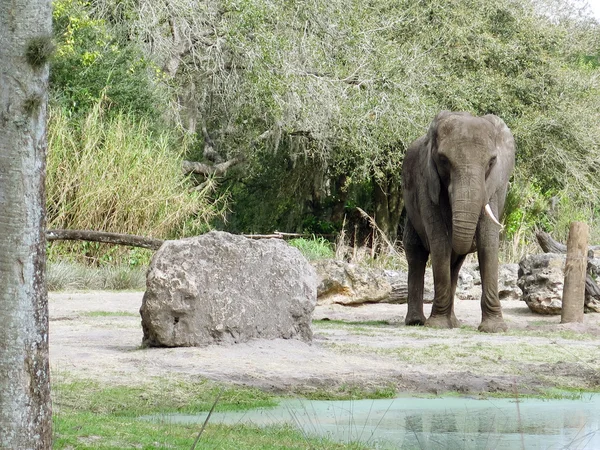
489, 212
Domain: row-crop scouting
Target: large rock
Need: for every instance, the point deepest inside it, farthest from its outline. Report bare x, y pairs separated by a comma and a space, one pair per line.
222, 288
508, 277
541, 278
350, 284
469, 282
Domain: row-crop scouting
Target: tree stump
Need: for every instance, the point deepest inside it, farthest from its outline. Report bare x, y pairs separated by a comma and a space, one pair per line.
592, 290
575, 273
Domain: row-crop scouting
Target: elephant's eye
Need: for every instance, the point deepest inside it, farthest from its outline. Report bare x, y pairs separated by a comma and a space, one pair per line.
444, 161
492, 162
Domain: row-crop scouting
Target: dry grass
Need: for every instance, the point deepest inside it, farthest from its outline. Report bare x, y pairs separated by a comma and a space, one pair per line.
116, 174
70, 276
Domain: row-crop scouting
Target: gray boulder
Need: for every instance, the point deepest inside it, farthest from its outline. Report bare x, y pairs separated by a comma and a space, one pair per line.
541, 278
508, 287
222, 288
469, 282
350, 284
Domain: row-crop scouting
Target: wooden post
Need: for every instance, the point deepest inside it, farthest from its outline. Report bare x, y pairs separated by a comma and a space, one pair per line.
575, 272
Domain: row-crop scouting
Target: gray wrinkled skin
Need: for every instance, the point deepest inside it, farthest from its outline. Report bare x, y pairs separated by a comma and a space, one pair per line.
449, 175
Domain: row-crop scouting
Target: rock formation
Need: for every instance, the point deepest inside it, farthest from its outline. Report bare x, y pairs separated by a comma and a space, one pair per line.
222, 288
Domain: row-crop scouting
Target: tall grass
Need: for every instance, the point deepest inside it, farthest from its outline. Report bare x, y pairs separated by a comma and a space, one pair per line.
64, 275
118, 174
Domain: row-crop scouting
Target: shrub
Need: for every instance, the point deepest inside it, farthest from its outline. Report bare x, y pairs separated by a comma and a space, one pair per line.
116, 174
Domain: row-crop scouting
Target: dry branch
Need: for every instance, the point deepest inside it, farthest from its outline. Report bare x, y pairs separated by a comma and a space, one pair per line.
138, 241
107, 238
549, 245
375, 227
208, 169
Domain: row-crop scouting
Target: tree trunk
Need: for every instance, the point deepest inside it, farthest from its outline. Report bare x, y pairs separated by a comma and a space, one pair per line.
25, 46
387, 197
575, 273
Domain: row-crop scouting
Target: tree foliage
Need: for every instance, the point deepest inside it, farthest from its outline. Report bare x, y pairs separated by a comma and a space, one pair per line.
94, 62
333, 92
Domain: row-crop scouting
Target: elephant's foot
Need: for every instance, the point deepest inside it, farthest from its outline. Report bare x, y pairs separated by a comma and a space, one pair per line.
455, 322
493, 325
414, 319
441, 322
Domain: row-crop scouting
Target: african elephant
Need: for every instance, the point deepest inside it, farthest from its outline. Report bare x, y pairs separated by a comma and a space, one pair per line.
454, 182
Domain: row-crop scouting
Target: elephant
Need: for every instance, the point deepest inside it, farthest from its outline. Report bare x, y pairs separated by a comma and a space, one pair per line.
454, 182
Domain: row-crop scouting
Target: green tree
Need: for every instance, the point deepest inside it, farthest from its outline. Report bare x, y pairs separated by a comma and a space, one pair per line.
346, 86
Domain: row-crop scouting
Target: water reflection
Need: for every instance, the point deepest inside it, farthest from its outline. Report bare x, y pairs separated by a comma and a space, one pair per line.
449, 423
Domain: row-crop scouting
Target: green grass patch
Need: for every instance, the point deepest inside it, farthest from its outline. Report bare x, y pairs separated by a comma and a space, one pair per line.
89, 415
353, 392
160, 395
314, 248
568, 335
91, 431
555, 393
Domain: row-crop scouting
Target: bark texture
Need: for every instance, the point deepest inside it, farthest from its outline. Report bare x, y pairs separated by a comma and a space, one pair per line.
575, 273
25, 45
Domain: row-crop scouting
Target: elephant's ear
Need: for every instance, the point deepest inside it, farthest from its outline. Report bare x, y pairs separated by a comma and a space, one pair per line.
433, 178
433, 182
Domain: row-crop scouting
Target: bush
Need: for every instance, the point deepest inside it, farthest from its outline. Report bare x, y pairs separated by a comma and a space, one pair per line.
115, 174
315, 248
92, 62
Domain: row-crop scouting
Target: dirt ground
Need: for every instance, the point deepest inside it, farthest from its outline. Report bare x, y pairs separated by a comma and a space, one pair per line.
97, 335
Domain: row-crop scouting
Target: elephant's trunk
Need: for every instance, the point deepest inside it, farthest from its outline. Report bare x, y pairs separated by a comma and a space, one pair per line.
467, 205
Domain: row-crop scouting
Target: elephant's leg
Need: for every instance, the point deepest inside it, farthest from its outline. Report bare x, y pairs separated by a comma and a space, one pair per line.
442, 309
416, 255
457, 262
488, 242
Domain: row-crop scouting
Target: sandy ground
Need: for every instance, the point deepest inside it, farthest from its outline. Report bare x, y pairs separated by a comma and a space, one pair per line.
97, 335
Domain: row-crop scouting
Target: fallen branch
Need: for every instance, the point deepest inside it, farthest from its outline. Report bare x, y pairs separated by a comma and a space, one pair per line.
208, 169
140, 241
373, 224
107, 238
549, 245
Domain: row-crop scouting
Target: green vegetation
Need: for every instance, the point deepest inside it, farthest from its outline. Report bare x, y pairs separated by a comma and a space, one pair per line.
314, 107
114, 173
90, 415
159, 395
315, 248
352, 392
